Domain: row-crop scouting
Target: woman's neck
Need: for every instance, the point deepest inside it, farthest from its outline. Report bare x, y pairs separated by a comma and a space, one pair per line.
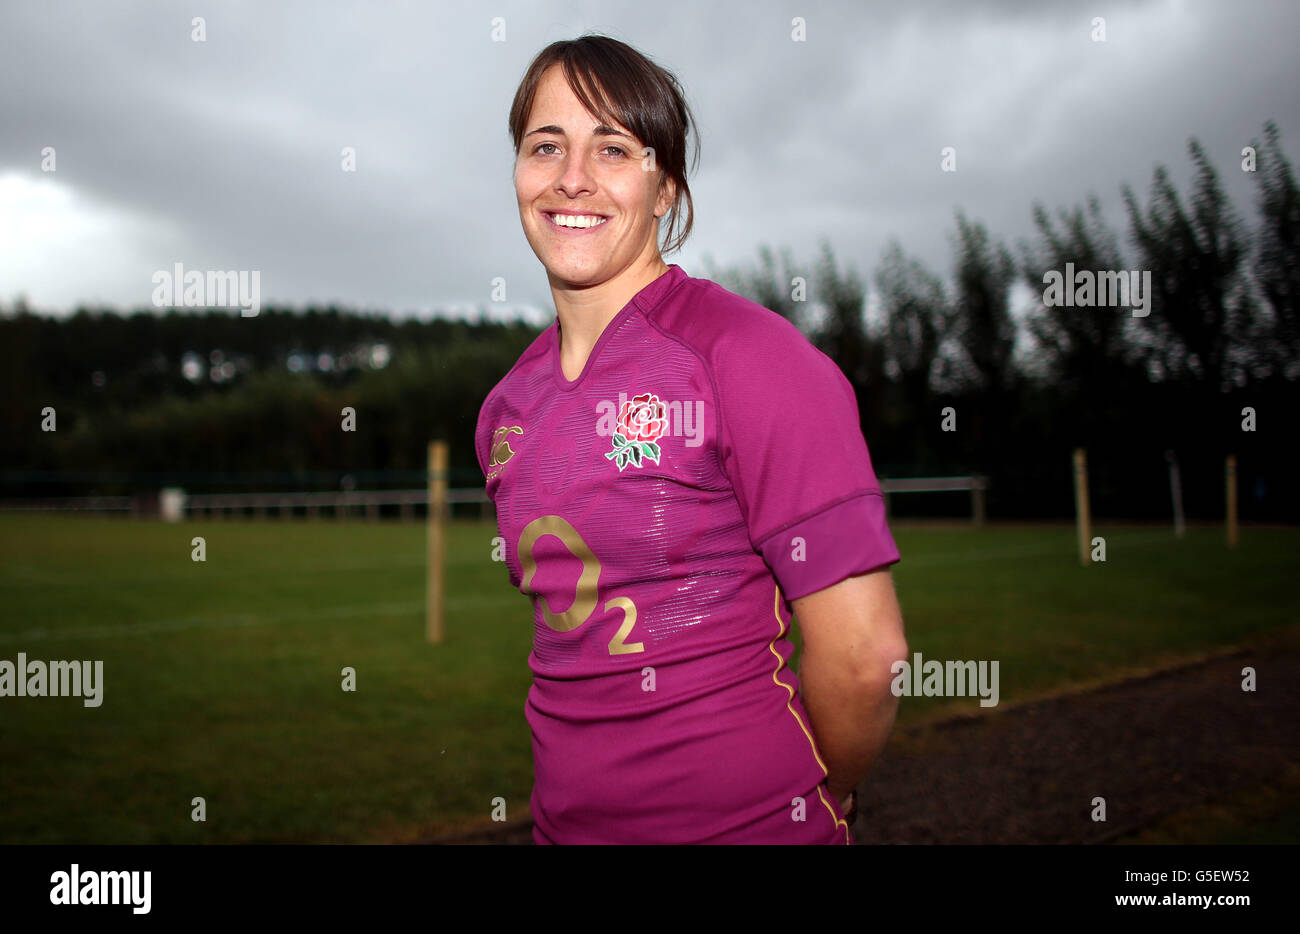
584, 313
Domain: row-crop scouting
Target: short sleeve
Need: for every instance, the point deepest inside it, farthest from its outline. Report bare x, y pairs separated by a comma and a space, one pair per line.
792, 445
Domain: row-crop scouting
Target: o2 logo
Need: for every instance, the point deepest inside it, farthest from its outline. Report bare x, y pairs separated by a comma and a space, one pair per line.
585, 596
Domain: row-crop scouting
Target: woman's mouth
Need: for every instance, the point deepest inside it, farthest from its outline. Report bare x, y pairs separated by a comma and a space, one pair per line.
575, 223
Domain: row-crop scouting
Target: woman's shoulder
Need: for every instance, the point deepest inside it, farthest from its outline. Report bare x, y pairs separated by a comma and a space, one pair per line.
713, 319
751, 352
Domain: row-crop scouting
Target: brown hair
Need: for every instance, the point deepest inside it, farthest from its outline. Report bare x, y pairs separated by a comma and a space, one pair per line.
618, 84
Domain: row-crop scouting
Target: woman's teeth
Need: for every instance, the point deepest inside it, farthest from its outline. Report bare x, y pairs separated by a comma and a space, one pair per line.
579, 220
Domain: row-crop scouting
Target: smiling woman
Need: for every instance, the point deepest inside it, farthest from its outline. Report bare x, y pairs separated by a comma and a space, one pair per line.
593, 178
664, 562
651, 135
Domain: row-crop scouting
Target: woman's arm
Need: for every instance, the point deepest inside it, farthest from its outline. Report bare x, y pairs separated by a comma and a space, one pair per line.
852, 634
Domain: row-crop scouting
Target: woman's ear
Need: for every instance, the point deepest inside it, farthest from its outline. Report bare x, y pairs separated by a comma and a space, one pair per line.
667, 195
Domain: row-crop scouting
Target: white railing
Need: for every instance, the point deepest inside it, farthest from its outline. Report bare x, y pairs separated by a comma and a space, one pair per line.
337, 504
368, 503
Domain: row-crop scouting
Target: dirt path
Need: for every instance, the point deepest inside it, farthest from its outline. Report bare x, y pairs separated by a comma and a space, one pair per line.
1150, 746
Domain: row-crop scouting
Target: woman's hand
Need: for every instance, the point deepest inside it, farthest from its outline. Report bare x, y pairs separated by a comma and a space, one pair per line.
849, 808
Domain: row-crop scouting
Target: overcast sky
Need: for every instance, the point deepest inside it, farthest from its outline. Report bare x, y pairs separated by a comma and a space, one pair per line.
226, 153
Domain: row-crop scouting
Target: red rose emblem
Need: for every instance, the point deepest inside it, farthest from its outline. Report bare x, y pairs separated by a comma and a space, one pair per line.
640, 424
643, 418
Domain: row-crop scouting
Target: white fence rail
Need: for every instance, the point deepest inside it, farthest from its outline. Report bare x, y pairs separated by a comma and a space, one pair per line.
345, 503
369, 504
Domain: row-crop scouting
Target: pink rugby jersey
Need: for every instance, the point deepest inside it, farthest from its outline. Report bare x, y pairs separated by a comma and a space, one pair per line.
661, 511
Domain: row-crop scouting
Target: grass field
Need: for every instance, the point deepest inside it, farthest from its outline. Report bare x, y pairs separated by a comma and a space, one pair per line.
222, 679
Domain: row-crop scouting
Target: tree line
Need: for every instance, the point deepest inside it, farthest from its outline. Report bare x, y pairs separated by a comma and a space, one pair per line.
951, 375
1211, 369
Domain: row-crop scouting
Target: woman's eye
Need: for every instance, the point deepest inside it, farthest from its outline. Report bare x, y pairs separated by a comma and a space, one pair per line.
618, 150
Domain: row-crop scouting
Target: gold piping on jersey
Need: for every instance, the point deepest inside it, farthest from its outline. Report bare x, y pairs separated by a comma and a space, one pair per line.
780, 664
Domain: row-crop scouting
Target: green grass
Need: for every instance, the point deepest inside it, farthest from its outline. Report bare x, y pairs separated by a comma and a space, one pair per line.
222, 678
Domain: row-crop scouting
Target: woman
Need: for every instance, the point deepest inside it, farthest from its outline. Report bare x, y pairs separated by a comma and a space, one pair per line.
674, 470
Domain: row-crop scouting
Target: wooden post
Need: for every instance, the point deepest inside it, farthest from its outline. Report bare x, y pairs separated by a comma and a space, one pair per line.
977, 502
1230, 479
436, 548
1176, 493
1082, 513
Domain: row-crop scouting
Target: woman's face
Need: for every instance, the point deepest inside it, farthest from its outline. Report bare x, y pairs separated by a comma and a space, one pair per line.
571, 164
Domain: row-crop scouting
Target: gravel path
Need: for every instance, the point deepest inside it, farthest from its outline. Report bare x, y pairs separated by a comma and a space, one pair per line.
1149, 746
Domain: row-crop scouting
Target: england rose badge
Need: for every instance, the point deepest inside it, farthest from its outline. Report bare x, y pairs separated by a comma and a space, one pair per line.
641, 423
